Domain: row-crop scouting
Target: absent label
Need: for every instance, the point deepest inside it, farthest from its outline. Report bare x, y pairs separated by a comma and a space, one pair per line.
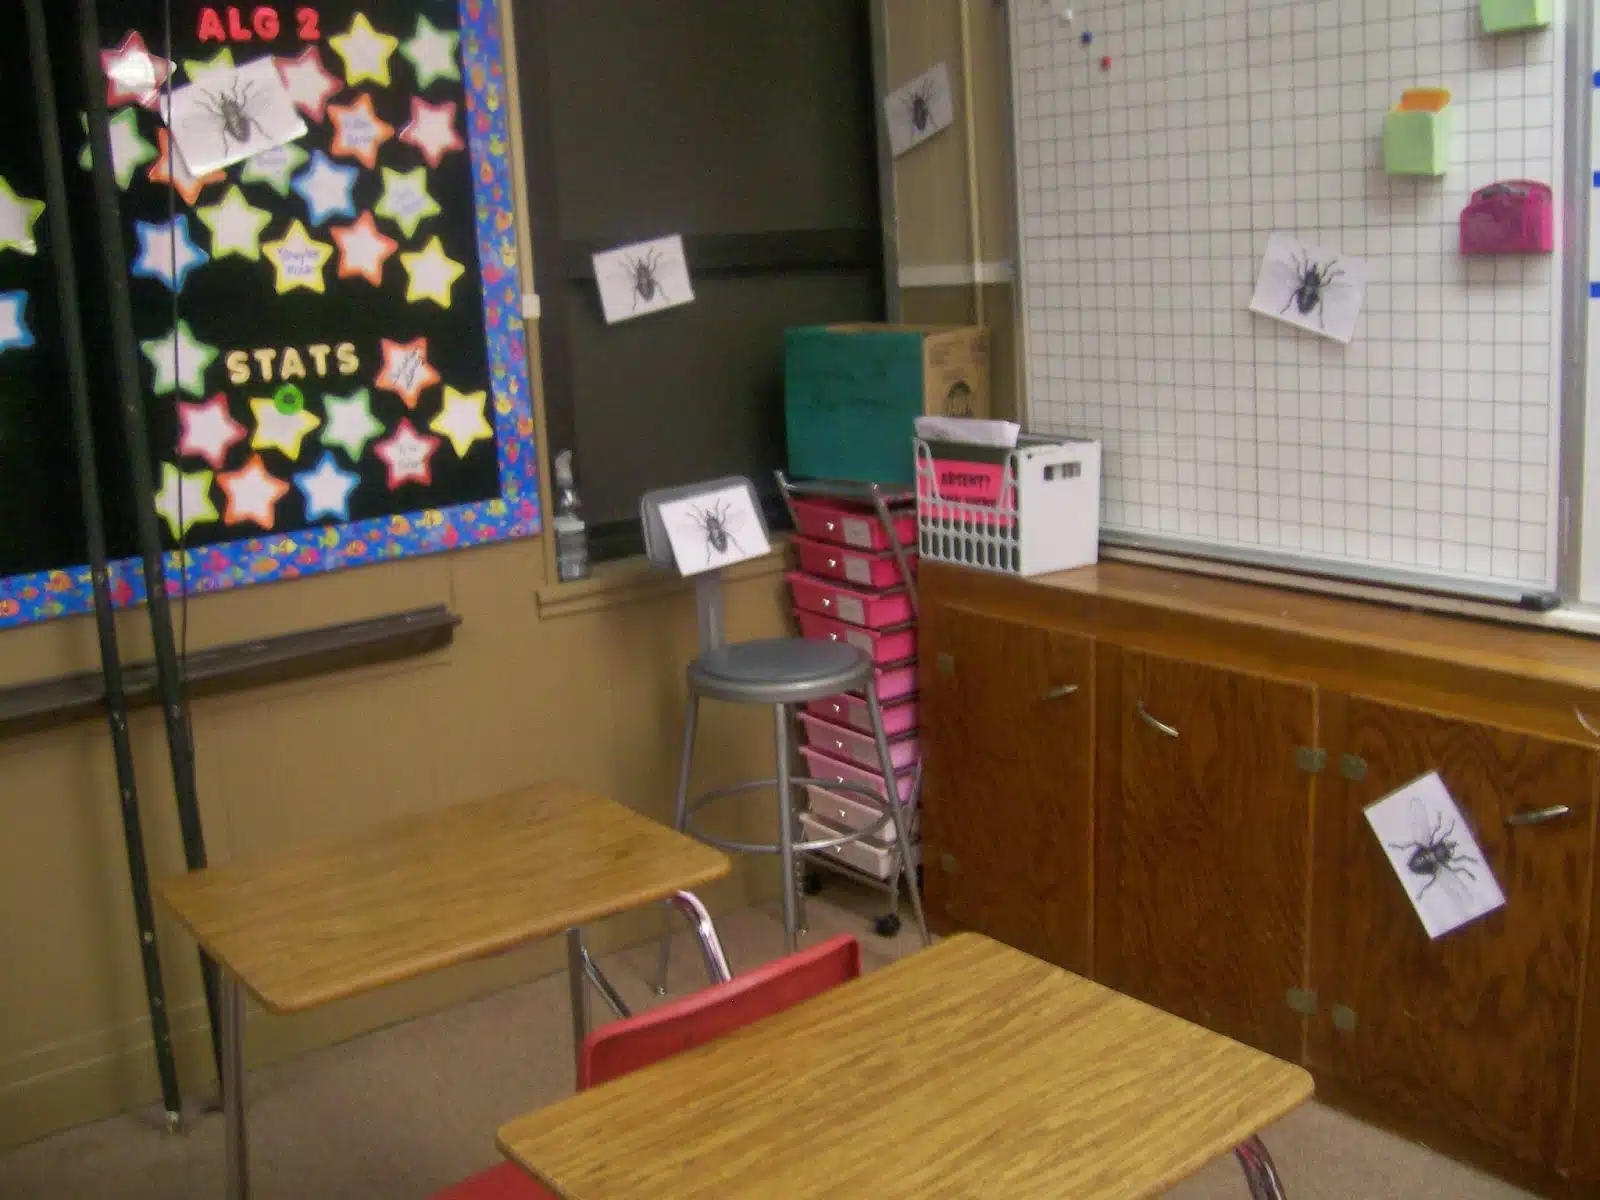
858, 570
860, 640
857, 532
850, 609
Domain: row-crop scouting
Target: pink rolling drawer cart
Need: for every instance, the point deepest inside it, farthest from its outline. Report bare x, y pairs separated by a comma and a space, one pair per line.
855, 548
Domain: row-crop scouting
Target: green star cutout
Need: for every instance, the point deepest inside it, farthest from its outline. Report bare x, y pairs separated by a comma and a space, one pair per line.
129, 150
275, 167
198, 68
179, 361
350, 424
18, 216
406, 200
184, 500
236, 226
431, 51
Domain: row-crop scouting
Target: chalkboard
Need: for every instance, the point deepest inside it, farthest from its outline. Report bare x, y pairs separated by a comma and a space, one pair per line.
330, 340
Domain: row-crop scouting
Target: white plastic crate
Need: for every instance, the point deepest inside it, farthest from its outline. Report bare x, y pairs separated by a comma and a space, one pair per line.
1026, 511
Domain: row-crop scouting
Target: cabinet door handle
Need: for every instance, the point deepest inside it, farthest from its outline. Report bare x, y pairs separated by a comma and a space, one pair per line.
1060, 692
1588, 726
1538, 816
1159, 726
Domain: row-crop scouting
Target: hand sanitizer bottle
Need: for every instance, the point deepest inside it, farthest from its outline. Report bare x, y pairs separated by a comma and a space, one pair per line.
572, 537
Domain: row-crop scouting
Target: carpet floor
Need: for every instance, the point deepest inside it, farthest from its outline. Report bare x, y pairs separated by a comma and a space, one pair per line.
404, 1111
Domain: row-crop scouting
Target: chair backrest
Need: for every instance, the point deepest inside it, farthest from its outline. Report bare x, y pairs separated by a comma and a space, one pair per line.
658, 549
636, 1042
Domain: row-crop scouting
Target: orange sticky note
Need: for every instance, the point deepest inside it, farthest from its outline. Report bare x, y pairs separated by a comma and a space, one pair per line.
1429, 99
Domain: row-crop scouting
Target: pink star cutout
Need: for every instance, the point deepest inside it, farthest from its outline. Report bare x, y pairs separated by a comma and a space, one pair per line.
408, 455
309, 83
406, 370
363, 249
432, 130
208, 430
133, 74
253, 494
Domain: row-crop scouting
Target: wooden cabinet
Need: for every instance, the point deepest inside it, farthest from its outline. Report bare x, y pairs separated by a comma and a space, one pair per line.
1007, 791
1586, 1145
1473, 1033
1204, 829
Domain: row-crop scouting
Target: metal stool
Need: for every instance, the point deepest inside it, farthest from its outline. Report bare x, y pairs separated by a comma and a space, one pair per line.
784, 673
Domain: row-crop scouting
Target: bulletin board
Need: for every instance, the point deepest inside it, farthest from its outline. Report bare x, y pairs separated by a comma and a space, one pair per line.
1157, 156
330, 333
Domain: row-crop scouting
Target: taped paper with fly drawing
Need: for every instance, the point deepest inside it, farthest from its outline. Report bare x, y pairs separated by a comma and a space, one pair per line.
1434, 855
232, 114
715, 529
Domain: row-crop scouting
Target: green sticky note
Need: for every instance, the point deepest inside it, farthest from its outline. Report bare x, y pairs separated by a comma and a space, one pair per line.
1416, 141
1507, 16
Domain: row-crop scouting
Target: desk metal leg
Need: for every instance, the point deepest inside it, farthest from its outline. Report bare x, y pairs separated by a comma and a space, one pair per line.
237, 1152
609, 994
706, 934
577, 988
1259, 1171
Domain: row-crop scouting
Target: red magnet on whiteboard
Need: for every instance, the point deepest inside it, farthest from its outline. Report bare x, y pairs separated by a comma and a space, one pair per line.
1105, 63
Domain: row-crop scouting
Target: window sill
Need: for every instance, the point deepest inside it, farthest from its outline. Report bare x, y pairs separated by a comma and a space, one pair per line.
629, 580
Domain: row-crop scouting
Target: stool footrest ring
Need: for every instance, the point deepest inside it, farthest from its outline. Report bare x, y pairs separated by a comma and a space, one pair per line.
807, 847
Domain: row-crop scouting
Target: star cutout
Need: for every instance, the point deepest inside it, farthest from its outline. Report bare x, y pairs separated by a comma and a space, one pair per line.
208, 430
406, 200
309, 82
18, 216
408, 455
236, 226
14, 331
170, 168
299, 260
462, 420
358, 132
365, 51
277, 429
184, 500
351, 424
327, 489
274, 167
166, 252
129, 150
179, 361
432, 274
197, 69
363, 250
253, 494
432, 53
406, 370
432, 130
327, 188
133, 74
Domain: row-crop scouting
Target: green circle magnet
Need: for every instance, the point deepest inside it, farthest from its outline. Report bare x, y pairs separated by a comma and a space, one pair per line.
289, 399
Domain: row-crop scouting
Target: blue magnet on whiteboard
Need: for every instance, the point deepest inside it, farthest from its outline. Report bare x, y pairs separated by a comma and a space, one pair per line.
1087, 37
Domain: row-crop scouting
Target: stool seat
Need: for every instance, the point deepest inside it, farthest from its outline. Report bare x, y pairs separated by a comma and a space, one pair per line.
787, 670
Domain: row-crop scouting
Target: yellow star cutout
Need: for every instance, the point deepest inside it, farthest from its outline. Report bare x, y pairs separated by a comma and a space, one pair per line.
365, 51
432, 273
277, 429
299, 260
461, 419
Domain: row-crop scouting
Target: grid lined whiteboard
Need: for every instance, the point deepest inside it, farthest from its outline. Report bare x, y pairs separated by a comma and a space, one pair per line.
1147, 194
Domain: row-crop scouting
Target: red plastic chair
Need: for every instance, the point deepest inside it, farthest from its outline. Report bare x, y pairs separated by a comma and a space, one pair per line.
636, 1042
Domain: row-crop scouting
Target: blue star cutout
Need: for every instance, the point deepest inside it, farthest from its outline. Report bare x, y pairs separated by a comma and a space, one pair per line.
14, 331
166, 252
327, 188
327, 489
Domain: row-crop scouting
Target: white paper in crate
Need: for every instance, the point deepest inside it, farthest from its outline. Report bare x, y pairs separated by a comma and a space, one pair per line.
714, 529
1434, 855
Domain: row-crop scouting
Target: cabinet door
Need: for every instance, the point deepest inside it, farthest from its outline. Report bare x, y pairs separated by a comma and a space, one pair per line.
1204, 839
1473, 1033
1007, 714
1586, 1147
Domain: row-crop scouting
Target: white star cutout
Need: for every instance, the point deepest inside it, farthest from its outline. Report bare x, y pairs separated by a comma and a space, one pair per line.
279, 430
327, 489
274, 167
309, 83
200, 69
236, 226
208, 430
18, 216
365, 51
326, 188
408, 455
432, 130
351, 424
432, 274
184, 500
363, 250
253, 494
180, 361
14, 331
129, 150
406, 200
166, 252
461, 420
432, 53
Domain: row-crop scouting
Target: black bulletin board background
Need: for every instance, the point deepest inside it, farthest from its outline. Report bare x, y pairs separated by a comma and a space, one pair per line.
231, 303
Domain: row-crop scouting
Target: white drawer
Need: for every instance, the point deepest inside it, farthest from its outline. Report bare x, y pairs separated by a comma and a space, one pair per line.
871, 857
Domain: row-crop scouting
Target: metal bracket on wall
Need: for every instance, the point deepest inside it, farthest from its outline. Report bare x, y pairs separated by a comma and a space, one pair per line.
1302, 1001
1344, 1018
1353, 767
1310, 759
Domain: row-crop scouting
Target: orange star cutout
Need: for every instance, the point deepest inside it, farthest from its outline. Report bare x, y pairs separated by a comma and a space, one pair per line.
185, 184
358, 132
406, 370
363, 249
253, 494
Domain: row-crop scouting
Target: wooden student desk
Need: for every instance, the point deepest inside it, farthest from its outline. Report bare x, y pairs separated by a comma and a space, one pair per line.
966, 1070
333, 919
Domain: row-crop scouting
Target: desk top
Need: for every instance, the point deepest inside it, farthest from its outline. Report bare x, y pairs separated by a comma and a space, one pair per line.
326, 920
966, 1070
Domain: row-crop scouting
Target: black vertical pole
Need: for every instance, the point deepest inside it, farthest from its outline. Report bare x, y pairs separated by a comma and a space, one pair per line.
61, 254
130, 396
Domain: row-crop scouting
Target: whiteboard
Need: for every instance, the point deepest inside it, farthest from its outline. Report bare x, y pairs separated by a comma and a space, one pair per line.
1427, 448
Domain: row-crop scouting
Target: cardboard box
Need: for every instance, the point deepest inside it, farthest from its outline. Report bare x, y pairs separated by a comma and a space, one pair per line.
852, 394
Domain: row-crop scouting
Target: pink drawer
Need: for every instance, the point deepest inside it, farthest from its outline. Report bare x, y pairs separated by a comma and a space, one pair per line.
860, 748
835, 562
896, 681
866, 856
851, 526
851, 710
875, 610
849, 813
885, 645
835, 770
